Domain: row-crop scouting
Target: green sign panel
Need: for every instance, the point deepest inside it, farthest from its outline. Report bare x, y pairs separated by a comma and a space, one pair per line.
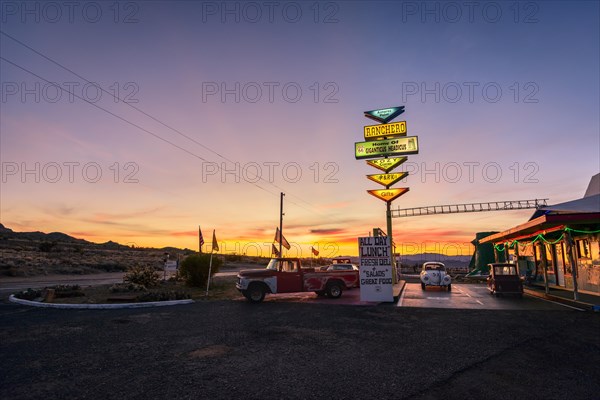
385, 115
388, 147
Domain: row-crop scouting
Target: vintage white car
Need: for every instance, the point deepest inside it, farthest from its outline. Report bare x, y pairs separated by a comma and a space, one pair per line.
434, 274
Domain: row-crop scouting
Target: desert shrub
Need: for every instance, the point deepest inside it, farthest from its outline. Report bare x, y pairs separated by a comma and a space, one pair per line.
194, 269
29, 294
142, 275
162, 296
110, 267
126, 287
67, 291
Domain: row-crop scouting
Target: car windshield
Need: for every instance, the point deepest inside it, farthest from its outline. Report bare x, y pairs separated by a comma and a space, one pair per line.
434, 267
272, 264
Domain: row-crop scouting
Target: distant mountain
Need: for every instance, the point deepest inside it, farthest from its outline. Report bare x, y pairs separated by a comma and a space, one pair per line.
423, 257
38, 236
4, 230
63, 238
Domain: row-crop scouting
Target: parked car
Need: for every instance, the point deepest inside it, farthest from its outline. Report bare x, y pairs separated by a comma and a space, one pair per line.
504, 279
342, 267
435, 274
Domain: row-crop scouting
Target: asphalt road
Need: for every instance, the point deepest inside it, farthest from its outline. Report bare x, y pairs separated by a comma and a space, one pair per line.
286, 350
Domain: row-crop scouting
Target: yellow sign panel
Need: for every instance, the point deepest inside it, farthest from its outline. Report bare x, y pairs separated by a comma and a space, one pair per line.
380, 131
387, 164
388, 195
387, 180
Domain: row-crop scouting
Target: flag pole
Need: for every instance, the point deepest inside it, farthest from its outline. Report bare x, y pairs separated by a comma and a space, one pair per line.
281, 223
215, 245
209, 270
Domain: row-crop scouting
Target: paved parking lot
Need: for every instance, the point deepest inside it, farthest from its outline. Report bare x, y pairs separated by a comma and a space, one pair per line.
473, 296
296, 350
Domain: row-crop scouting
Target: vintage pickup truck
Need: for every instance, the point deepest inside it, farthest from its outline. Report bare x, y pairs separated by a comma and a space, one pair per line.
286, 275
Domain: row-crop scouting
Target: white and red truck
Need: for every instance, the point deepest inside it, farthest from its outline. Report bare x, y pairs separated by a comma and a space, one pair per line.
286, 275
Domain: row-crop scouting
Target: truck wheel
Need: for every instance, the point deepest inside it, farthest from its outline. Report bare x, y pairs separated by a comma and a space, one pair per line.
255, 293
334, 290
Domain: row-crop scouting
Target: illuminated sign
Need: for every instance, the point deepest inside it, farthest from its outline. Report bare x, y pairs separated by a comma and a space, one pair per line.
387, 180
388, 195
384, 115
375, 269
387, 164
386, 147
373, 132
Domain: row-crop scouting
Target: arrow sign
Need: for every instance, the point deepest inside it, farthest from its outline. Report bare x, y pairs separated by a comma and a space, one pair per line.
385, 115
386, 147
387, 180
387, 164
388, 195
394, 129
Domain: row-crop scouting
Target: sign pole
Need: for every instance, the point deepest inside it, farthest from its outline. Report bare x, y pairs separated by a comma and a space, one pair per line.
389, 233
384, 140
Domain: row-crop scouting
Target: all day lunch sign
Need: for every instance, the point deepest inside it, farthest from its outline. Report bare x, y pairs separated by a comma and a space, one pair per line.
375, 272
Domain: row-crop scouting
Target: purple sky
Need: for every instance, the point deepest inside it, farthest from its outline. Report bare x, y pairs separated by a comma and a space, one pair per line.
504, 98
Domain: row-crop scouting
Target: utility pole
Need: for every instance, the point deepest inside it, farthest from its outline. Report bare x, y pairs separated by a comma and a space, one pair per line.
281, 222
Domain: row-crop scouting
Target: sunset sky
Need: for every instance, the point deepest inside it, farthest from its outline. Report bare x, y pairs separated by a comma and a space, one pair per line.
504, 98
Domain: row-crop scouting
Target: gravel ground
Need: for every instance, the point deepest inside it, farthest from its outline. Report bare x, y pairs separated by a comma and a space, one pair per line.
232, 349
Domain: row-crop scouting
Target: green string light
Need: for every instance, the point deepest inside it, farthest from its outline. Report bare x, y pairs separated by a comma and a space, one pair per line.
541, 237
567, 229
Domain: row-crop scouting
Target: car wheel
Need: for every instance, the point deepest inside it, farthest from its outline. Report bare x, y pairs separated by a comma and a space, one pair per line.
320, 293
255, 293
334, 290
450, 287
422, 286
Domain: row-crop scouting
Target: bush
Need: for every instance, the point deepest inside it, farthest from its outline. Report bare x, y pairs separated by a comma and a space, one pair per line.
142, 275
29, 294
67, 291
126, 288
194, 269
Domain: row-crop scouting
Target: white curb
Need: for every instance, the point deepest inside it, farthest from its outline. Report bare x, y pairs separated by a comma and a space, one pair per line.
13, 299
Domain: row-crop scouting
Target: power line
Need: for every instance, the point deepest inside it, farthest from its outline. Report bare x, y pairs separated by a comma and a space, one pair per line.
117, 116
153, 118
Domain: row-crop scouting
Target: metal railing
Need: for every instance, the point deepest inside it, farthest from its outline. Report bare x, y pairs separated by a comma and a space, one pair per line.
469, 207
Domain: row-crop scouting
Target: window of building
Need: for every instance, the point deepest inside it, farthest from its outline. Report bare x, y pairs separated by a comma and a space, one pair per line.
583, 248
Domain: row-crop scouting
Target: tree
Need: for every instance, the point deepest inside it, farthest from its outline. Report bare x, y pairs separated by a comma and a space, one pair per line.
194, 269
